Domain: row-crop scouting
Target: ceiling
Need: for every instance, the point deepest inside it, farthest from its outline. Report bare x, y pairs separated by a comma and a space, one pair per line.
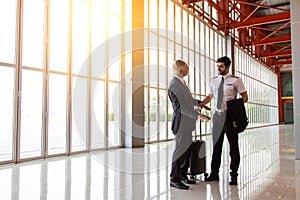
263, 28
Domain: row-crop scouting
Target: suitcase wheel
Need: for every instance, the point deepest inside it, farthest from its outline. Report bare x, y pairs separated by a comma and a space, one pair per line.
193, 178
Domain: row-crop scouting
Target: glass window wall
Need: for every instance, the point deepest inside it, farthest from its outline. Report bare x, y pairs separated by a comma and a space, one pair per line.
56, 71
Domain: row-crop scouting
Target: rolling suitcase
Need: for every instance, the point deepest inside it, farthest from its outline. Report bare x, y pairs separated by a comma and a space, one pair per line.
198, 157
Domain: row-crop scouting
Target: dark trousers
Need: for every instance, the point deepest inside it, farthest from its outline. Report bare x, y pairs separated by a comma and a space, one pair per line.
218, 131
180, 159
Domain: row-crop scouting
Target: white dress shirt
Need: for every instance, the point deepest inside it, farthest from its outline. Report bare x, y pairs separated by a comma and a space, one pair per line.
232, 86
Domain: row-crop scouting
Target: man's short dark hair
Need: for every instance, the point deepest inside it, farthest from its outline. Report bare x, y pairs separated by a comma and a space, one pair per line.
224, 60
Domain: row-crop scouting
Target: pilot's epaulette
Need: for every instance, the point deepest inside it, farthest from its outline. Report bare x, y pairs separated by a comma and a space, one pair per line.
215, 77
234, 76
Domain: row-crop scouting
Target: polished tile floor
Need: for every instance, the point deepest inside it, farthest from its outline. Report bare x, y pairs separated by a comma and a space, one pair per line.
268, 171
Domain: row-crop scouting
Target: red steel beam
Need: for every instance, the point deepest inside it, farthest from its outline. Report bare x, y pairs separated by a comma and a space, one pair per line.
258, 6
240, 11
283, 62
202, 14
285, 47
213, 4
261, 20
263, 6
278, 29
279, 53
272, 40
273, 27
189, 1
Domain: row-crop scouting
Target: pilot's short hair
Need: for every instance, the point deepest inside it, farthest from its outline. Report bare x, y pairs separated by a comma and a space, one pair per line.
224, 60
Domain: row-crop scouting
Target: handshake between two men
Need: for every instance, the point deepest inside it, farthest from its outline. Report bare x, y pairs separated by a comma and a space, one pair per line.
202, 116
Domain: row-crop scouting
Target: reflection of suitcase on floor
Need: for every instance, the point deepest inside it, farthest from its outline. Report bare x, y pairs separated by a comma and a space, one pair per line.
198, 157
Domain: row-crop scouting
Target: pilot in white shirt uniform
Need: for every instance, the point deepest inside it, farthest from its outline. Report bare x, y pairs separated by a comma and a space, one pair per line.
223, 92
233, 85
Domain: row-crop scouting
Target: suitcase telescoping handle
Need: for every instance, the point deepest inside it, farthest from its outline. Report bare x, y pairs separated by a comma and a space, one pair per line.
200, 129
200, 132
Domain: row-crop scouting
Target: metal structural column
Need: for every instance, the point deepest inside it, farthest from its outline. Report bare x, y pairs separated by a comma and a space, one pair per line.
280, 102
133, 158
230, 52
133, 88
295, 31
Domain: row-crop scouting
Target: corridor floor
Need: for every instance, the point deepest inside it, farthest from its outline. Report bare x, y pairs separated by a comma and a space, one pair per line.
268, 170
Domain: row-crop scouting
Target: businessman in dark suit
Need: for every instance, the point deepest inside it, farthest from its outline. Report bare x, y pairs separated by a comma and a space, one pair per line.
186, 112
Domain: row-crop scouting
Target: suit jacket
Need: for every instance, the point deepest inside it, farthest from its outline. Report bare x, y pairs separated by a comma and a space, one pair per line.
237, 119
184, 116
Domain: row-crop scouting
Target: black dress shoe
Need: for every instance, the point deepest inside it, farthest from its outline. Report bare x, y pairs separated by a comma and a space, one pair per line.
212, 178
233, 181
179, 185
186, 180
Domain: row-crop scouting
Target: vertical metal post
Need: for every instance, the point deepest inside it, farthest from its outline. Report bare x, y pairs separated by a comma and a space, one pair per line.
18, 83
69, 98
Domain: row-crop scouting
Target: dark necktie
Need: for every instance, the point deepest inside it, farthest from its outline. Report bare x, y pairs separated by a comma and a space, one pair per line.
220, 94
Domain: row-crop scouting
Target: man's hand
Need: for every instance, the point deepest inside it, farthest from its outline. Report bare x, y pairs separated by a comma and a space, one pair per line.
204, 106
197, 108
204, 117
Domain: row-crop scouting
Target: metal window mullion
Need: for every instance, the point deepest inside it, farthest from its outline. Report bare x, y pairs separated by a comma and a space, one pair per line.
123, 65
157, 107
216, 42
148, 75
194, 52
199, 63
195, 72
44, 137
208, 47
213, 45
89, 83
69, 98
174, 27
157, 91
204, 56
181, 32
18, 81
148, 92
106, 107
216, 46
200, 56
205, 68
174, 30
188, 44
167, 72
